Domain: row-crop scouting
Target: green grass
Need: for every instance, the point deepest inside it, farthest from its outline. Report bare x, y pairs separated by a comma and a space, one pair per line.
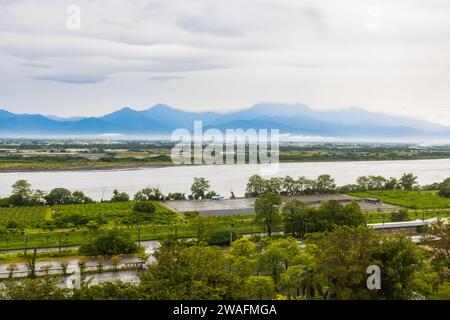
31, 217
377, 217
26, 216
72, 237
409, 199
106, 210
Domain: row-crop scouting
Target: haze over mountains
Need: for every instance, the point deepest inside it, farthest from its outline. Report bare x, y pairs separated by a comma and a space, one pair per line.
161, 119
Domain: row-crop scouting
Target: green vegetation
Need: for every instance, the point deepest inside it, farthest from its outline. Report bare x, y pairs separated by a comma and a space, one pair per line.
300, 220
444, 188
44, 255
23, 154
267, 211
409, 199
332, 265
325, 184
109, 244
21, 217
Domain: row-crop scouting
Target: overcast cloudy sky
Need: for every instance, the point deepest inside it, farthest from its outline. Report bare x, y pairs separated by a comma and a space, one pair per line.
387, 56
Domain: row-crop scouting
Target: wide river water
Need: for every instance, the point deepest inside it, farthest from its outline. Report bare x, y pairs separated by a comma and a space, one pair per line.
223, 178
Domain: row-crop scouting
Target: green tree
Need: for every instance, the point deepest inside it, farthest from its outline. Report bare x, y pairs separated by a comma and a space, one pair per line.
277, 257
21, 193
267, 211
331, 213
108, 244
295, 217
325, 184
289, 186
109, 290
399, 262
189, 271
59, 196
119, 196
149, 194
391, 184
437, 238
342, 261
260, 287
242, 257
80, 197
444, 188
200, 188
400, 215
301, 281
42, 288
255, 186
408, 181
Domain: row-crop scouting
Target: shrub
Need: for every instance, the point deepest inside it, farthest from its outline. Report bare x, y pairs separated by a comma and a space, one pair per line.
74, 219
148, 212
444, 191
5, 202
119, 196
221, 237
109, 244
144, 207
401, 215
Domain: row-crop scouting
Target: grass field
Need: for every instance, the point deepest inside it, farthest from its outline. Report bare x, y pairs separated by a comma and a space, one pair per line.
31, 217
185, 229
377, 217
27, 216
408, 199
421, 204
108, 210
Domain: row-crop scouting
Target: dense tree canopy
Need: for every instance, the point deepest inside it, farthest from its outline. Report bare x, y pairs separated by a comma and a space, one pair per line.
267, 210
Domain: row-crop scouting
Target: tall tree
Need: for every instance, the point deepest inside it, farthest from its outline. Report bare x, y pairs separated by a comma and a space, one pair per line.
21, 192
200, 188
408, 181
296, 217
267, 210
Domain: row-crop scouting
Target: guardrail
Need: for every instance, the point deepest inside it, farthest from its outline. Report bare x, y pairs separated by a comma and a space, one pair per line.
72, 270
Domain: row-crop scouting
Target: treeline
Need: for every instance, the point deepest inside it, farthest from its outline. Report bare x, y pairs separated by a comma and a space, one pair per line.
326, 184
331, 265
23, 195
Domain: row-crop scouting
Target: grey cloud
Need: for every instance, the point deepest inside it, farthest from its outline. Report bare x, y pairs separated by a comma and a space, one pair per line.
72, 79
165, 78
36, 65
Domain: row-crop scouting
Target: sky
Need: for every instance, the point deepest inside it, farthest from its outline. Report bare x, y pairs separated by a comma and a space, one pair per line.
92, 57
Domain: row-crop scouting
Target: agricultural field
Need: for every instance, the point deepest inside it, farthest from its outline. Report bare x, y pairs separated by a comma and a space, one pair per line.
408, 199
32, 217
103, 210
25, 216
183, 229
107, 210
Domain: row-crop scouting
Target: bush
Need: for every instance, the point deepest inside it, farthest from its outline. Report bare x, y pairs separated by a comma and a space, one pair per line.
109, 244
401, 215
144, 207
444, 191
221, 237
73, 219
119, 196
13, 225
5, 202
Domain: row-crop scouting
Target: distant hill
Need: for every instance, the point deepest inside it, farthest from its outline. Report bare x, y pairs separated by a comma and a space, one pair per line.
295, 119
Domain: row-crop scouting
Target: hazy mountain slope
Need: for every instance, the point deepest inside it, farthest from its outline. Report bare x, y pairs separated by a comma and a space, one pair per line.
296, 119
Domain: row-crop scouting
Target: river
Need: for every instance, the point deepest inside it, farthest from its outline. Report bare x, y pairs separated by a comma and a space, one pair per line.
223, 178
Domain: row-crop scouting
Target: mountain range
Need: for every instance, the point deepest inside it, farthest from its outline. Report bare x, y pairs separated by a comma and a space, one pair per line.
294, 119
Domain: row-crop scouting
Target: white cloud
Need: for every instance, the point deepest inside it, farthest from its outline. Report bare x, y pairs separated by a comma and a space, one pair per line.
382, 55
